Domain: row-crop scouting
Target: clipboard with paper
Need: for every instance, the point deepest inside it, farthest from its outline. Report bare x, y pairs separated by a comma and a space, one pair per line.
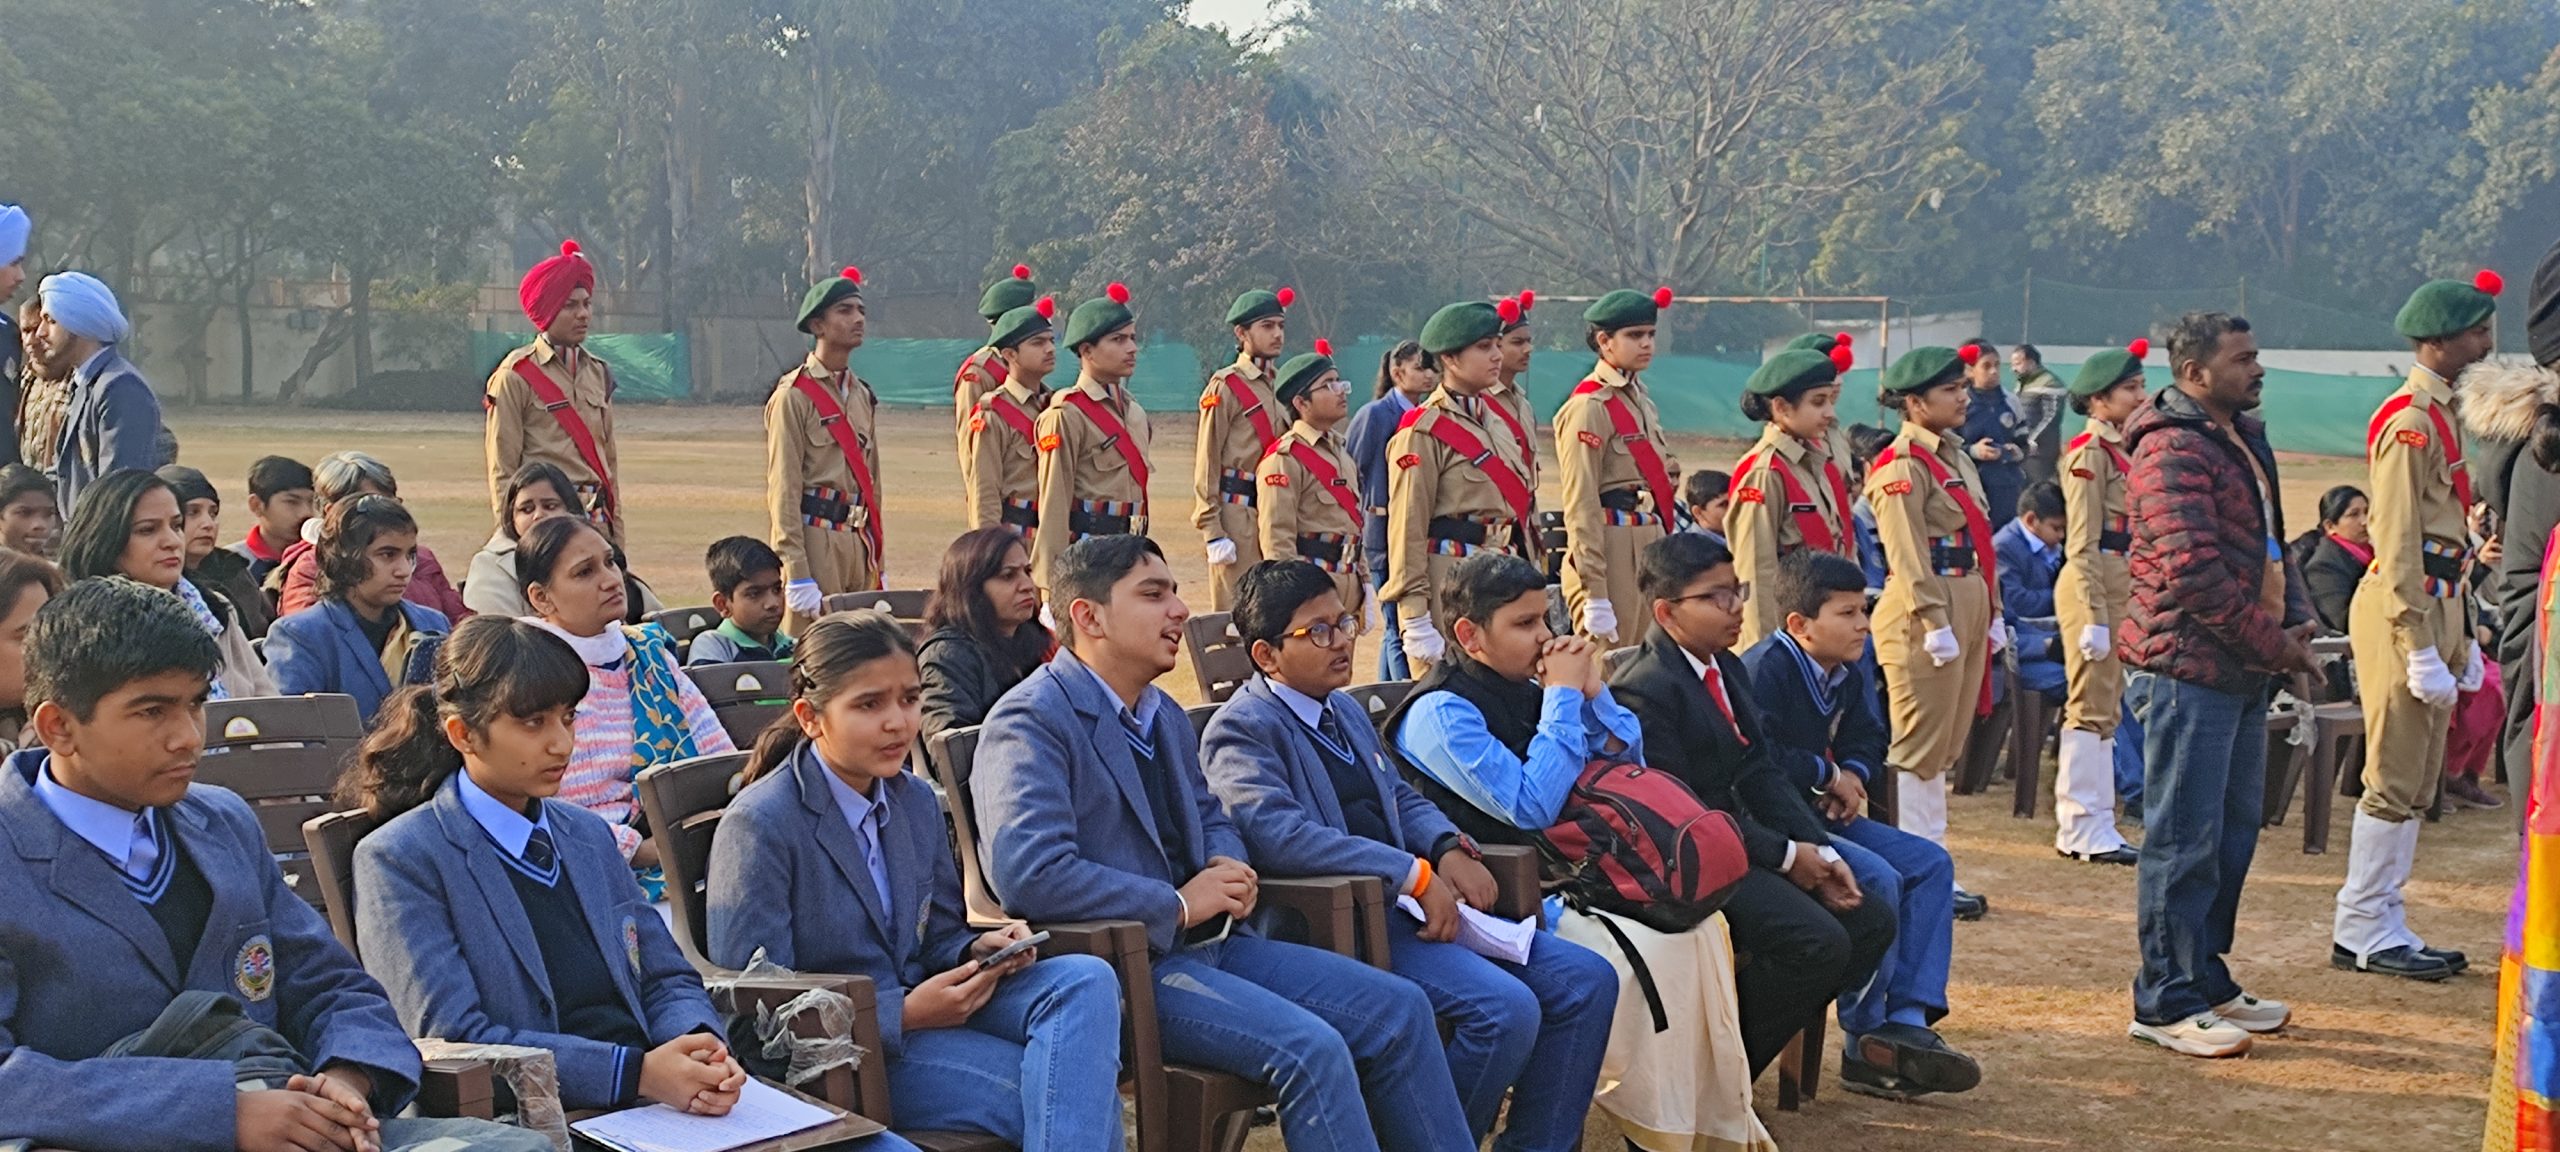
768, 1118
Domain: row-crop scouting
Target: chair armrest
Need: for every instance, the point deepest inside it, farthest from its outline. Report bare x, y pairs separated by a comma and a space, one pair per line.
862, 1088
458, 1090
1515, 879
1330, 905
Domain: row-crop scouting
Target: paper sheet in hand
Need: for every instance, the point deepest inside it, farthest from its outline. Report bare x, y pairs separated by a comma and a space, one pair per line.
763, 1113
1484, 934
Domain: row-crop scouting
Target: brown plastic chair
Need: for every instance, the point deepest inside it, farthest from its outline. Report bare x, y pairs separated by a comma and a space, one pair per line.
907, 604
1220, 660
282, 754
683, 624
1381, 698
684, 801
2034, 717
746, 696
1180, 1108
1989, 737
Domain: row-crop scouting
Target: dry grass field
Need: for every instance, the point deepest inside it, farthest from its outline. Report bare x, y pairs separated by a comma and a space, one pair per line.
2041, 989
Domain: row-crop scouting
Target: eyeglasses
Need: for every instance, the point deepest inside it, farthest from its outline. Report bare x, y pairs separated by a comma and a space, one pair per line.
1324, 633
1725, 598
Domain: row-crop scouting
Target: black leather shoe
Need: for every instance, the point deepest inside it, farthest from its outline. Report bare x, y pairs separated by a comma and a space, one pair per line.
2120, 854
2452, 959
1970, 906
1868, 1080
2402, 961
1917, 1060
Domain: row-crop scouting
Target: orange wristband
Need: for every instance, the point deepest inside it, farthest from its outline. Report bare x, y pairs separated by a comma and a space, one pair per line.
1422, 879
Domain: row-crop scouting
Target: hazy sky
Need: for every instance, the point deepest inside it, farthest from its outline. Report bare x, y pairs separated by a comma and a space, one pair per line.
1233, 15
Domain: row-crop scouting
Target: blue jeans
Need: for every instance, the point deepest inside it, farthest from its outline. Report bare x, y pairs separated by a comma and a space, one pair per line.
1035, 1067
1353, 1052
2204, 763
400, 1135
1551, 1014
2128, 758
1391, 662
1917, 879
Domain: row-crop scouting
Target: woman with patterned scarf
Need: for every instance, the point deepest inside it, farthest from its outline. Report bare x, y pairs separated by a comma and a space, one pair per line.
640, 709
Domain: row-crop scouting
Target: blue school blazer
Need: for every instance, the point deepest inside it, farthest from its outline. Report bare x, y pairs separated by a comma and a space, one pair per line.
1063, 819
441, 924
787, 877
83, 965
323, 649
1262, 762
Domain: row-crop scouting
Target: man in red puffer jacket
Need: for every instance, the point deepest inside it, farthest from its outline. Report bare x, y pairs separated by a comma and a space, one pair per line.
2217, 612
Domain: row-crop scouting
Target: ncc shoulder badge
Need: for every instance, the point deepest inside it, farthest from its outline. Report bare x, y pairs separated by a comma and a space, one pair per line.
978, 423
1749, 496
2411, 437
1589, 439
1275, 479
1208, 401
253, 970
1897, 487
1049, 443
1409, 460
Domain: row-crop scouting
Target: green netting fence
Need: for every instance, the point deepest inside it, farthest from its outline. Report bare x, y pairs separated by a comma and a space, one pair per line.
648, 367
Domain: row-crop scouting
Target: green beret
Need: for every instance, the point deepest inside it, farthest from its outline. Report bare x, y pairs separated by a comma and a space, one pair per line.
1008, 294
1300, 372
1811, 342
1257, 304
1923, 368
1099, 317
1460, 325
2109, 368
1793, 369
2441, 308
1626, 308
1020, 324
824, 294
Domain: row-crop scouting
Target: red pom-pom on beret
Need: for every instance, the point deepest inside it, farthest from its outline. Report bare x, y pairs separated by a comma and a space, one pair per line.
1021, 271
2140, 348
1528, 299
1841, 357
1971, 354
1842, 339
1118, 292
1047, 307
1509, 310
1288, 296
852, 273
1324, 347
2489, 282
1662, 297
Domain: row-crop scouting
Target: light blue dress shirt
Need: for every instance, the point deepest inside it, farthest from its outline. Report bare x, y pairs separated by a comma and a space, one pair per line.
126, 838
866, 815
1445, 735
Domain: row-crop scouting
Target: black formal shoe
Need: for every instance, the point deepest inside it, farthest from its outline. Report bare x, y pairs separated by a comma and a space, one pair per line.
2120, 854
2403, 961
1868, 1080
1916, 1059
1970, 906
2452, 959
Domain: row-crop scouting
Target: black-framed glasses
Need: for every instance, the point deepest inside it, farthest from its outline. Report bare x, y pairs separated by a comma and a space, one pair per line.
1725, 598
1324, 633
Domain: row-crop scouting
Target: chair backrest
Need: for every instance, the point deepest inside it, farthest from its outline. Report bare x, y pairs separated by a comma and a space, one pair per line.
283, 755
683, 624
954, 755
903, 603
746, 696
331, 837
1615, 660
1200, 718
1220, 661
1380, 698
684, 801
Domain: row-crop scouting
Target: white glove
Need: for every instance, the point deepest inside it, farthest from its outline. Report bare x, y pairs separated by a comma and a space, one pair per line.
2429, 681
1377, 615
2475, 673
803, 598
2095, 642
1046, 620
1940, 644
1421, 640
1600, 619
1999, 636
1222, 552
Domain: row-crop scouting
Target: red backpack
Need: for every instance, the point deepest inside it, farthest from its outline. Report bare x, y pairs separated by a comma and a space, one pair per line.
1637, 842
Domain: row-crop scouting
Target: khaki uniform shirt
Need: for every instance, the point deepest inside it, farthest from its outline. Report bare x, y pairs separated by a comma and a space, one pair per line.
1294, 503
1228, 440
800, 454
1426, 480
1080, 463
1514, 399
1595, 460
997, 463
2093, 491
978, 375
521, 430
2411, 493
1911, 510
1761, 525
44, 406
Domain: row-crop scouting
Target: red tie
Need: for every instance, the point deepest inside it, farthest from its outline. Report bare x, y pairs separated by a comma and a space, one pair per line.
1715, 692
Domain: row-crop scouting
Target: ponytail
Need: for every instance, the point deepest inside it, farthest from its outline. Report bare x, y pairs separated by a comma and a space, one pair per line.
491, 666
403, 760
828, 654
772, 746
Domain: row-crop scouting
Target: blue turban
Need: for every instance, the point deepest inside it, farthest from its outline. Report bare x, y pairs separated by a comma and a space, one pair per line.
14, 226
77, 301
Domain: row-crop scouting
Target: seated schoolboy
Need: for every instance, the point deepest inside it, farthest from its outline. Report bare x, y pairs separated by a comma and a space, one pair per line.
1496, 736
1817, 704
363, 638
1707, 494
280, 499
834, 858
496, 915
128, 886
1303, 776
746, 589
2029, 552
30, 516
1091, 806
1810, 928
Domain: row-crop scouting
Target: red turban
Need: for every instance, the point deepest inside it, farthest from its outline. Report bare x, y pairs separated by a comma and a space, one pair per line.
546, 289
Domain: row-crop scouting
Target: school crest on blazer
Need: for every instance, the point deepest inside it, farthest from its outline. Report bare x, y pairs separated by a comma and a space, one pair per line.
253, 969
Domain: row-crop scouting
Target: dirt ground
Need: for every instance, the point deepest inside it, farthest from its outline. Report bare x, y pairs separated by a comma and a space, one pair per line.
2041, 991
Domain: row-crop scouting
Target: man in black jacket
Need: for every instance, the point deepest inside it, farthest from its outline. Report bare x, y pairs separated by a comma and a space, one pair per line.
1798, 913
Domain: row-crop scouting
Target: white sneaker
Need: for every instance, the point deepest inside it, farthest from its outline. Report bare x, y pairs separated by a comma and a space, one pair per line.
2251, 1014
2203, 1034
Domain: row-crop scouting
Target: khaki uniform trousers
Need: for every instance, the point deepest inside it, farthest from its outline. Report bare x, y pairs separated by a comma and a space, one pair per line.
1239, 524
840, 561
1624, 545
1932, 707
2095, 687
2404, 736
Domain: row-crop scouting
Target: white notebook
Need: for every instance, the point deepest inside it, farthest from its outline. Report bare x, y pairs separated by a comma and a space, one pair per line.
763, 1113
1484, 934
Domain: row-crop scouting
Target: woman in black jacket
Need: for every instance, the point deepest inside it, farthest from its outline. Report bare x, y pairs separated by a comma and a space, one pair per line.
2513, 415
2334, 556
987, 634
